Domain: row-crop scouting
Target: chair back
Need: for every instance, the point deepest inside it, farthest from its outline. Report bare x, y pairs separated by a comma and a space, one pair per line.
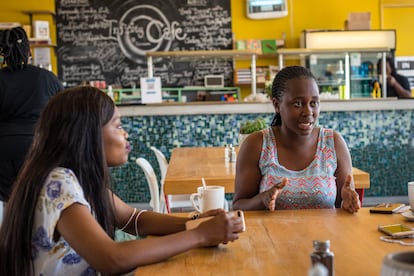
152, 183
171, 201
162, 162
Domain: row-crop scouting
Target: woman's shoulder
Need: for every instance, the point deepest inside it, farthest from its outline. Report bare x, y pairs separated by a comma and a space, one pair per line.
63, 178
61, 172
328, 132
62, 183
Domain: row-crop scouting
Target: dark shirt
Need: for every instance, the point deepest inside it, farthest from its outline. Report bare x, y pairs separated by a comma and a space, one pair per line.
23, 95
402, 80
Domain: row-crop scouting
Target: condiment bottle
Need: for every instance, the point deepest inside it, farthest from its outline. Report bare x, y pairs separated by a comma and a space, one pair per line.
227, 153
322, 254
376, 91
232, 156
318, 269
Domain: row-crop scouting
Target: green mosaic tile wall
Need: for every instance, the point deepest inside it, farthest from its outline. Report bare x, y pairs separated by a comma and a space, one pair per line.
380, 142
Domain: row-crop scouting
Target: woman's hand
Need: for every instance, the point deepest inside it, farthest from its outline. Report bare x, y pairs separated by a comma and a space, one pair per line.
223, 228
210, 213
391, 80
269, 197
350, 198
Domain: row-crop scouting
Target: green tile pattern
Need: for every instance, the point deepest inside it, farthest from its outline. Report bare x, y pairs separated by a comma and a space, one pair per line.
380, 142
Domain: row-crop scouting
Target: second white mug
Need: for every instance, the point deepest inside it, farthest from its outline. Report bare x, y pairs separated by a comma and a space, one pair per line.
207, 199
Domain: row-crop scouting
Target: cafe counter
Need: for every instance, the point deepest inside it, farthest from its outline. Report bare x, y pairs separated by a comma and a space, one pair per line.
379, 134
194, 108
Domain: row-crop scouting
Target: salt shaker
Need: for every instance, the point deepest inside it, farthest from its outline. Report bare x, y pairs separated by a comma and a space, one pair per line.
322, 254
227, 153
232, 156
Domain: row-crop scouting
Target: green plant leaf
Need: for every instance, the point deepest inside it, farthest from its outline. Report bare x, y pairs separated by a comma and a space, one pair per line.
253, 125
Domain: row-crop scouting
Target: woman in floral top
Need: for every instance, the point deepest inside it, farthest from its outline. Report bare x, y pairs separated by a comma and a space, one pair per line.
62, 214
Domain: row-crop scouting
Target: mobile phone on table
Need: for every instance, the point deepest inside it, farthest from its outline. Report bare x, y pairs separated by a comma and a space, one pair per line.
240, 214
387, 208
396, 230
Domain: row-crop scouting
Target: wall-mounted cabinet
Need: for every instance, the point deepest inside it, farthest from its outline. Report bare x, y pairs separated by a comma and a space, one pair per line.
342, 73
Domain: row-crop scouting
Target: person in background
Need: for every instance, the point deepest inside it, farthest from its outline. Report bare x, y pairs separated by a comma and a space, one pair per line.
293, 164
24, 91
397, 85
62, 214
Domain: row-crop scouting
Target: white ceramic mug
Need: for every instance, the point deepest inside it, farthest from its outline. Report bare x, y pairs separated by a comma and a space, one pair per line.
206, 199
411, 194
398, 263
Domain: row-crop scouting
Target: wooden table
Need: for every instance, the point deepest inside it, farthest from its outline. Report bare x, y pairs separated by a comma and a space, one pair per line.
280, 243
188, 165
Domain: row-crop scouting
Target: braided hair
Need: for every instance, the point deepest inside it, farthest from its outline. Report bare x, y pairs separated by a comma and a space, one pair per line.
279, 85
15, 48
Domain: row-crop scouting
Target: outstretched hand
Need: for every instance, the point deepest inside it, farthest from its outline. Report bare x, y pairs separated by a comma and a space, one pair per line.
269, 197
350, 198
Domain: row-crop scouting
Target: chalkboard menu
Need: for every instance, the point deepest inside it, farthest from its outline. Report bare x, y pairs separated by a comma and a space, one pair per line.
108, 39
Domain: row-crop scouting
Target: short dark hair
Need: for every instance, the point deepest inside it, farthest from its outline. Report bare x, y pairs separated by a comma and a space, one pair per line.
15, 48
279, 84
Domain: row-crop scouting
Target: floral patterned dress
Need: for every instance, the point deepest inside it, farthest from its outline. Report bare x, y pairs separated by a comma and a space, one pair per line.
60, 191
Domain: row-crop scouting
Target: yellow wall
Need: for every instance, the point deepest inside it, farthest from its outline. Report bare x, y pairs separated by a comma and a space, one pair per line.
11, 11
302, 14
399, 15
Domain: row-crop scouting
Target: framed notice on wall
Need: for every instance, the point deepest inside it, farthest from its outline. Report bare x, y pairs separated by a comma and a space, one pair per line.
151, 90
41, 29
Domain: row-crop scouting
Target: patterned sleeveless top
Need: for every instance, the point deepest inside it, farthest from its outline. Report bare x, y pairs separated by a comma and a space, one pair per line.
311, 188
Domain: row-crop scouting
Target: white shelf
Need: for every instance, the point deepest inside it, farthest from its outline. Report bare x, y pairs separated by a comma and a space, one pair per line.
248, 54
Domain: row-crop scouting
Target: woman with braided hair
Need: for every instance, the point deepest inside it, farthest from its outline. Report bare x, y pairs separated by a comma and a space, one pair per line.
24, 91
294, 164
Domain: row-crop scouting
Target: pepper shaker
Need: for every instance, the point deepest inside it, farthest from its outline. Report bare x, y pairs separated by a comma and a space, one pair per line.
323, 255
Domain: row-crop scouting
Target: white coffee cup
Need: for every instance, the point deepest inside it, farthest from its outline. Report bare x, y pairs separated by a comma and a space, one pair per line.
212, 197
411, 194
398, 263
